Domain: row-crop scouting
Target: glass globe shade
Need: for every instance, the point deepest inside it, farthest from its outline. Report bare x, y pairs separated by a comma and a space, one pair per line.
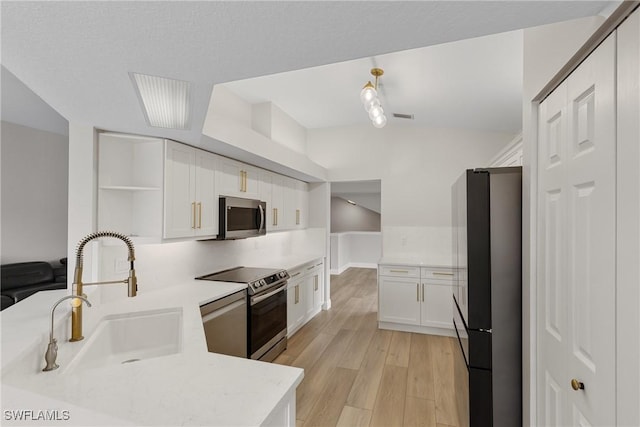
375, 111
375, 102
380, 121
368, 94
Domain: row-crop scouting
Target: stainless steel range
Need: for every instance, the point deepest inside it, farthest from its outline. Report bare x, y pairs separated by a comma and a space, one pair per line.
267, 311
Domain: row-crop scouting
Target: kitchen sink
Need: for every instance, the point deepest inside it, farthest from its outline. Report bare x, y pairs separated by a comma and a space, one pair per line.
130, 337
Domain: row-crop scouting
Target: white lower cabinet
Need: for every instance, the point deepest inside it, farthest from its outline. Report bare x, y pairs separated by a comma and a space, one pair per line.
416, 299
305, 294
399, 300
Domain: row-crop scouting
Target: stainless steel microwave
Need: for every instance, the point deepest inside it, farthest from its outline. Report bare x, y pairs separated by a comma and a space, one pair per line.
241, 218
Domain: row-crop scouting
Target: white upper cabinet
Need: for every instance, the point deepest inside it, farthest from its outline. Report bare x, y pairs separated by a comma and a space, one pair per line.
139, 197
190, 203
130, 186
270, 190
237, 179
296, 204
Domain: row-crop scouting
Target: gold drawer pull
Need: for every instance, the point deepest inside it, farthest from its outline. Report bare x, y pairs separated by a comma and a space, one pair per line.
438, 273
399, 271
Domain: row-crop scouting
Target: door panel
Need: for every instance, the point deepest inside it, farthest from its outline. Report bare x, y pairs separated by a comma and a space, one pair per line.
205, 194
552, 259
576, 241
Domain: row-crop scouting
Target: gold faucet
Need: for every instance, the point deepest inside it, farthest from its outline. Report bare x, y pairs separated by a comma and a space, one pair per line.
131, 281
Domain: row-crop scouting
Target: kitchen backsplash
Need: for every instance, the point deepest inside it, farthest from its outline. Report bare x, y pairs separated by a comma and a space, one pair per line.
162, 265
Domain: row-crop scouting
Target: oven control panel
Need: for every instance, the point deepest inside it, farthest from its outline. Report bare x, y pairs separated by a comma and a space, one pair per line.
268, 282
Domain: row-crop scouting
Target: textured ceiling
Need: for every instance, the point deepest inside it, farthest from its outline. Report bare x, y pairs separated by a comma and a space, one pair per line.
77, 55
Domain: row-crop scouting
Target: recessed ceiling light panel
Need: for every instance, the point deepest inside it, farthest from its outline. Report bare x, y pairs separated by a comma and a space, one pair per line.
165, 102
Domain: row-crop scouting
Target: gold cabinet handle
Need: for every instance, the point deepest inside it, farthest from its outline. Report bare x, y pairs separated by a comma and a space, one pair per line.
297, 216
193, 212
297, 293
418, 292
439, 273
315, 283
275, 215
577, 385
199, 214
297, 274
311, 268
399, 271
423, 292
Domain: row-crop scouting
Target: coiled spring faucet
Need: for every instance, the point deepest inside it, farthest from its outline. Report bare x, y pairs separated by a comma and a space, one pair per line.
131, 281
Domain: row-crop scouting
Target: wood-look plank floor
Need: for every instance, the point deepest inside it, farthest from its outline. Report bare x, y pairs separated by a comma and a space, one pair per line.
359, 375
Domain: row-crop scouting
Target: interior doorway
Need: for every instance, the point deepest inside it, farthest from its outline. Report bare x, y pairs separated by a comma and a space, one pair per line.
356, 218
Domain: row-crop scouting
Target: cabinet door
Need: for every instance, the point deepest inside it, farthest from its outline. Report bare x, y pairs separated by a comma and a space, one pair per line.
399, 300
265, 190
296, 309
205, 197
318, 287
302, 196
251, 180
437, 305
230, 178
277, 202
290, 203
309, 291
179, 190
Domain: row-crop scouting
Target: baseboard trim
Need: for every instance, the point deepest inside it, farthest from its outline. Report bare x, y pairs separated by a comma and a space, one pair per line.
446, 332
355, 265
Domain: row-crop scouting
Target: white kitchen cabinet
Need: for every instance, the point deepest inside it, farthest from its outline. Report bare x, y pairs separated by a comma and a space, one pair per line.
237, 179
296, 304
296, 204
190, 204
270, 190
130, 181
305, 294
399, 300
416, 299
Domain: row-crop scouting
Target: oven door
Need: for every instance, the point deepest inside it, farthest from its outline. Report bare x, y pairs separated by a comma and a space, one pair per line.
268, 323
241, 218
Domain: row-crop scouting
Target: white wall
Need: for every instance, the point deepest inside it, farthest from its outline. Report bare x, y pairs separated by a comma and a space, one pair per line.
355, 249
546, 49
34, 194
416, 165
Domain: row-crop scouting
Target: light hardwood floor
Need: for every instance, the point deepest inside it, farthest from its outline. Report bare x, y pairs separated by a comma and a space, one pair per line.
359, 375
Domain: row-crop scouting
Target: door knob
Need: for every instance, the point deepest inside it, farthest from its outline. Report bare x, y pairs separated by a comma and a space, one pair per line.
577, 385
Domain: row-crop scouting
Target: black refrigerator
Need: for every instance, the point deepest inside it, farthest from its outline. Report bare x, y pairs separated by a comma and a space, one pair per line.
487, 250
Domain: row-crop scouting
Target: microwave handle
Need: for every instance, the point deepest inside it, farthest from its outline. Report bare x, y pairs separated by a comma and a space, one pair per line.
261, 217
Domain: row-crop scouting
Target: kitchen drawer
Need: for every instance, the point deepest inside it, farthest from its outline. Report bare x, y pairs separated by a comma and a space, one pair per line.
399, 271
431, 273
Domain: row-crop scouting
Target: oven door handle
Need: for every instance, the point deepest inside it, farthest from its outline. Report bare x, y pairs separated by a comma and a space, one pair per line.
255, 300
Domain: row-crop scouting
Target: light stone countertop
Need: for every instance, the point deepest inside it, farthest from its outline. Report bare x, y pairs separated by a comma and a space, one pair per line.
419, 261
193, 387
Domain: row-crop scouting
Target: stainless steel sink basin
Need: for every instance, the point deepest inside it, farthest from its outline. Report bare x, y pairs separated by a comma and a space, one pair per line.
130, 337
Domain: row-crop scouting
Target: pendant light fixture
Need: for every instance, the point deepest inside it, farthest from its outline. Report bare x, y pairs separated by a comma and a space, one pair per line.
369, 98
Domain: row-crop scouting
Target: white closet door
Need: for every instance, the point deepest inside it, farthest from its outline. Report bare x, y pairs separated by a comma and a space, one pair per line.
552, 260
576, 235
592, 237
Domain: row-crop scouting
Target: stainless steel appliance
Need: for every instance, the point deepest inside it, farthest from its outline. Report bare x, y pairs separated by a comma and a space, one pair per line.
241, 218
225, 324
487, 224
267, 309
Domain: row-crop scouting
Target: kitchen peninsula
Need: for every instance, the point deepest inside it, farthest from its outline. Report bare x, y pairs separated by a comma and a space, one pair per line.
191, 387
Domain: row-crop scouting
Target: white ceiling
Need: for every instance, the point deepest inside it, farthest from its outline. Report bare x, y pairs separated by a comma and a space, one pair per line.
472, 84
77, 55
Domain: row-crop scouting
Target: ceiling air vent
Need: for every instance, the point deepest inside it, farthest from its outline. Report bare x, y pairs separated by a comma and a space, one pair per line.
403, 116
